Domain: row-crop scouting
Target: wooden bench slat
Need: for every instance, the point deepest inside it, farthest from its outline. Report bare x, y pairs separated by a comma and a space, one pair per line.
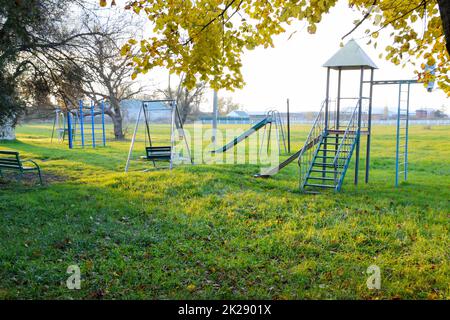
149, 149
13, 163
29, 168
159, 156
9, 152
10, 166
158, 152
7, 161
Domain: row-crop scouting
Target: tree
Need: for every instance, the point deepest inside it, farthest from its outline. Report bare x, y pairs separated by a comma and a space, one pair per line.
105, 74
438, 114
29, 30
188, 100
205, 39
93, 67
226, 105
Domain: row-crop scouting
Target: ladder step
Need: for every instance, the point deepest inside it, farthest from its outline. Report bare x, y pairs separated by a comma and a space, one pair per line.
320, 185
321, 178
333, 150
327, 157
324, 171
337, 144
328, 165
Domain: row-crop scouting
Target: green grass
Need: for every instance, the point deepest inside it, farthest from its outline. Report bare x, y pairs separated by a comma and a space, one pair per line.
213, 231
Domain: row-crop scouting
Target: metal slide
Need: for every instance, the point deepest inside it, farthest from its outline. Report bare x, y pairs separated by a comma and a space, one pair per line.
245, 135
314, 137
275, 169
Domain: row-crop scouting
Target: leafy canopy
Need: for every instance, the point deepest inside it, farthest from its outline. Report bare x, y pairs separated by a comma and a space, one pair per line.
204, 39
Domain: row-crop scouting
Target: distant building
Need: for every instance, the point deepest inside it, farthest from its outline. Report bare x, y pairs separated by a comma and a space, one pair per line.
238, 114
158, 111
421, 114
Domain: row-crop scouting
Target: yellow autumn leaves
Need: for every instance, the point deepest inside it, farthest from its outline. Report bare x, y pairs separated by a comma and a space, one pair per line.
204, 39
415, 31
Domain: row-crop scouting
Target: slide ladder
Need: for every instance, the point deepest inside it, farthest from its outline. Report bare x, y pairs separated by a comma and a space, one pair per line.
313, 138
401, 157
244, 135
325, 168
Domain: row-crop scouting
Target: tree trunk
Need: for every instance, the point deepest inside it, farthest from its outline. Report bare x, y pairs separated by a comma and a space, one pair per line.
116, 116
184, 114
118, 127
444, 9
7, 132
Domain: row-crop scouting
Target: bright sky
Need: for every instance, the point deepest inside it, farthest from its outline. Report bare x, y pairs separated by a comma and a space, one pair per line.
293, 69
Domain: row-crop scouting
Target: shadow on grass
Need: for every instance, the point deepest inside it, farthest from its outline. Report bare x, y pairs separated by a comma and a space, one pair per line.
199, 247
79, 155
11, 180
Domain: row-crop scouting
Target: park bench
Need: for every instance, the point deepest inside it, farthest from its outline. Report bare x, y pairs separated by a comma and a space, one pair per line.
158, 153
10, 160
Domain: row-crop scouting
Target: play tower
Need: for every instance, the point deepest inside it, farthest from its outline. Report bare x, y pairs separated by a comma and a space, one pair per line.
350, 58
344, 122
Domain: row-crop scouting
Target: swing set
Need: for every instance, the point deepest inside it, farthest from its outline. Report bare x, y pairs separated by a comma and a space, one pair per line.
81, 126
157, 115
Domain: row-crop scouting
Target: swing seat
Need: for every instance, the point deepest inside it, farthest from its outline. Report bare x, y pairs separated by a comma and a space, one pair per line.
158, 153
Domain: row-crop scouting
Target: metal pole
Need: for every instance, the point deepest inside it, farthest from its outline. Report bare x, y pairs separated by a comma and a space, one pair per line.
369, 127
327, 97
69, 128
338, 110
338, 104
184, 135
277, 134
103, 123
398, 135
147, 128
132, 140
92, 124
358, 140
280, 124
81, 123
54, 125
172, 137
214, 120
288, 126
407, 133
269, 131
262, 141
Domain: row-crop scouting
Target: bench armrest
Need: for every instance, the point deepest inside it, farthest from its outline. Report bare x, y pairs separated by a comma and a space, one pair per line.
29, 160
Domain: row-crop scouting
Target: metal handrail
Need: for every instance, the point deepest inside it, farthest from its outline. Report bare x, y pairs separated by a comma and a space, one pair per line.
344, 146
315, 132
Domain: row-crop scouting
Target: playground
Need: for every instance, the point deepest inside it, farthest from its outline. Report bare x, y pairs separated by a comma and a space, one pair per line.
214, 231
167, 151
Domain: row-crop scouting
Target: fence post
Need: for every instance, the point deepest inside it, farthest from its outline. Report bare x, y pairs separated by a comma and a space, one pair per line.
81, 123
288, 127
93, 124
69, 129
103, 122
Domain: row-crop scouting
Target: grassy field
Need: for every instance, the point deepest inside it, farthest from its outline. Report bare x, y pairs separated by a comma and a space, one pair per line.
213, 231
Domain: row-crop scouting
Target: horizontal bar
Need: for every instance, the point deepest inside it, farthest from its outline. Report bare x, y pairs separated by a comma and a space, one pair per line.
382, 82
161, 100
